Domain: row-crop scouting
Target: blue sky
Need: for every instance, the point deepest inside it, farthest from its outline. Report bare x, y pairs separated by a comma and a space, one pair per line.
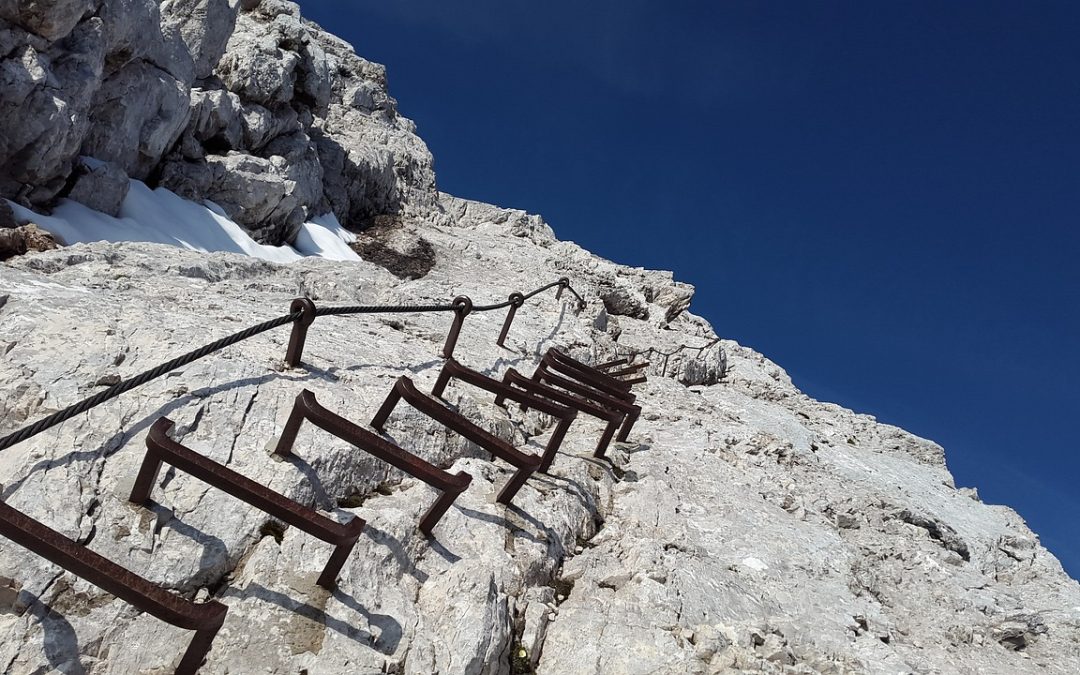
882, 197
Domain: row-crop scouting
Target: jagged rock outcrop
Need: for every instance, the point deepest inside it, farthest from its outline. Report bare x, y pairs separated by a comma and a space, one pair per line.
242, 103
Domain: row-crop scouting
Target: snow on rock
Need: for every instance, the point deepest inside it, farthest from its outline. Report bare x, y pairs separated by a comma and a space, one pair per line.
744, 527
241, 103
161, 217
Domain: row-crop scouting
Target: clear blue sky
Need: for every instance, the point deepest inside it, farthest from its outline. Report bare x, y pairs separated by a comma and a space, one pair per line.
882, 197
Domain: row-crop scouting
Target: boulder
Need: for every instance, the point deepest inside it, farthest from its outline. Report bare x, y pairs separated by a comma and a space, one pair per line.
24, 239
205, 27
102, 186
138, 114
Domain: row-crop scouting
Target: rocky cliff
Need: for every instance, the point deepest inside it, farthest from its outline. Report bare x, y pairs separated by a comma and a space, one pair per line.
744, 527
241, 103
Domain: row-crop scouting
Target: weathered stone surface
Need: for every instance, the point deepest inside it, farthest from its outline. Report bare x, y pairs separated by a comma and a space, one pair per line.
42, 124
744, 527
205, 27
169, 91
51, 20
101, 187
137, 115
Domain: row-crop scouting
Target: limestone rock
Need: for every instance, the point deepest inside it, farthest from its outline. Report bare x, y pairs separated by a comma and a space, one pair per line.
41, 126
205, 27
102, 186
743, 527
50, 20
719, 537
138, 114
168, 91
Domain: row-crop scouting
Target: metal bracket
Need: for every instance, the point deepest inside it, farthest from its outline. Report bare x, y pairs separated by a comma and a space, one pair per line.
405, 389
307, 408
566, 415
162, 449
516, 300
462, 306
205, 619
299, 331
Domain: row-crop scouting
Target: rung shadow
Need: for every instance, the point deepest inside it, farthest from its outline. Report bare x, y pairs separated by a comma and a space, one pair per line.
162, 449
308, 408
452, 370
405, 389
205, 619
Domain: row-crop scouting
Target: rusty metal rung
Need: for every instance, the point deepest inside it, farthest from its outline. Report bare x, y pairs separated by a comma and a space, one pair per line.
617, 389
612, 417
571, 367
308, 408
566, 415
608, 365
405, 389
205, 619
623, 404
162, 449
629, 370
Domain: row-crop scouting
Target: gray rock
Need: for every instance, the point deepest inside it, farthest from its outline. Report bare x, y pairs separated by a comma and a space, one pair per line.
204, 26
118, 85
624, 301
41, 127
101, 187
51, 20
674, 298
255, 67
257, 193
138, 114
133, 33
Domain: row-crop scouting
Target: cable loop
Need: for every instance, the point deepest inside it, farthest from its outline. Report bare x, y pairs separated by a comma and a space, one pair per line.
463, 305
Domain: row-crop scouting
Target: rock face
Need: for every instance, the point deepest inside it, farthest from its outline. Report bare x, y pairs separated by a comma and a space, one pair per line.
242, 103
744, 527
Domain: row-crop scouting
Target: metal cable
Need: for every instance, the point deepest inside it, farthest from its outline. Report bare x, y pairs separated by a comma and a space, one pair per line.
126, 385
653, 350
140, 379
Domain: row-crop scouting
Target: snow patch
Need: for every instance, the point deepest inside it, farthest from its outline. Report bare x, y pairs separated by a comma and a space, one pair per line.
163, 217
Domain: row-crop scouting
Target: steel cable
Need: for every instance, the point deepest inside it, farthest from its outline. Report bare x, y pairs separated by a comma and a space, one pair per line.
123, 386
